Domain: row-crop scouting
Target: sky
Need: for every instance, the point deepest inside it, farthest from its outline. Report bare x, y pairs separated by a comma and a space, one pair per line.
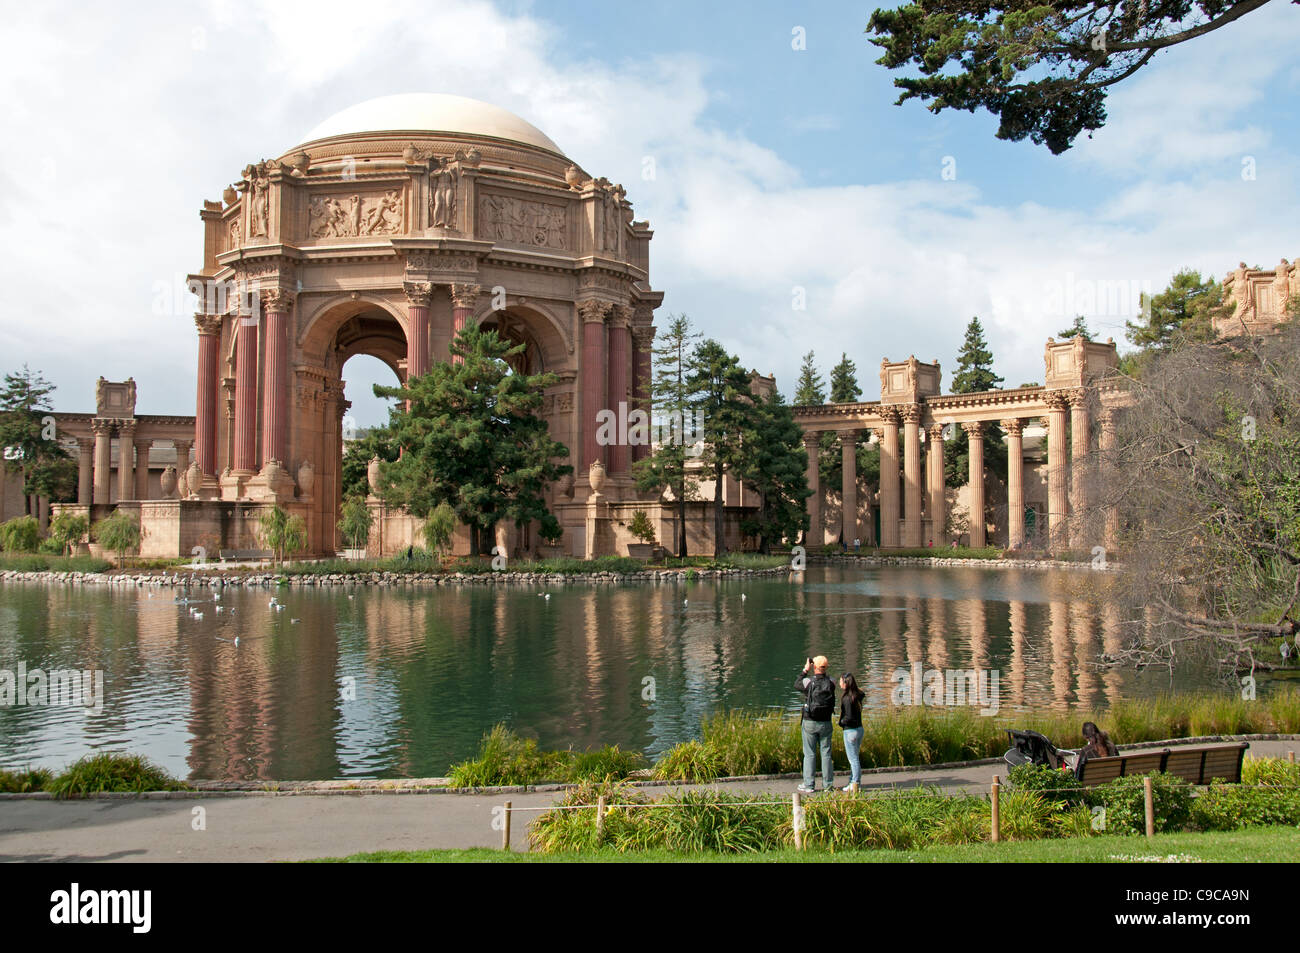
770, 175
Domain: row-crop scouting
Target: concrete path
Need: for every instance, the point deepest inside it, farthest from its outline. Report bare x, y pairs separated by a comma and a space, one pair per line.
304, 826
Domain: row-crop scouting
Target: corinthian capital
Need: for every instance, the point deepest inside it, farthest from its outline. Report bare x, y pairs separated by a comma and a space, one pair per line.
278, 300
1077, 396
1014, 426
1057, 400
912, 413
592, 312
208, 323
973, 428
889, 414
620, 315
465, 296
418, 293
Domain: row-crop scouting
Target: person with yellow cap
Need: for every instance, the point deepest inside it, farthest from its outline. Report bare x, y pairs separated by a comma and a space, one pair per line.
819, 704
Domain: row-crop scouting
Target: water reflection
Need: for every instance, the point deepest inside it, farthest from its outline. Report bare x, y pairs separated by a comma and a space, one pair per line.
404, 682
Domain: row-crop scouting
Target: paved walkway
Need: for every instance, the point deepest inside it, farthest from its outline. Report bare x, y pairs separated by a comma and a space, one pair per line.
305, 826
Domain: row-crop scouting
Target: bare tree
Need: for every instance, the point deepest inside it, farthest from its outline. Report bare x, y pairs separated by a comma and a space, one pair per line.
1202, 492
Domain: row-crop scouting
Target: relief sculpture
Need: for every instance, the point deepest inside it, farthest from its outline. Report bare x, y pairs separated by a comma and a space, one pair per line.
524, 223
355, 215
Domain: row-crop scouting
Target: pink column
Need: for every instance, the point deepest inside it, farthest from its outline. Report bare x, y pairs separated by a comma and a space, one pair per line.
417, 312
463, 300
641, 356
617, 395
593, 315
275, 376
85, 470
975, 440
889, 528
125, 467
246, 393
205, 418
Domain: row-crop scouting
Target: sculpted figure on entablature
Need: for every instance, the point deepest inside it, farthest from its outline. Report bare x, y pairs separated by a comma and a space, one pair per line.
259, 188
443, 178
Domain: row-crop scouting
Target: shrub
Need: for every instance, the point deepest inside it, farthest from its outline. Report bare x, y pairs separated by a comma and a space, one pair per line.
1272, 771
21, 534
24, 782
1026, 815
118, 532
112, 772
607, 763
68, 529
640, 527
1053, 784
1125, 803
1229, 807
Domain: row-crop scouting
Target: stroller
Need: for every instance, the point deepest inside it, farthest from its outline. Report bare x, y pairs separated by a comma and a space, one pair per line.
1029, 747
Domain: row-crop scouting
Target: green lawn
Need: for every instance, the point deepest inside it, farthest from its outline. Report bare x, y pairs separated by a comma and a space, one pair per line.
1256, 845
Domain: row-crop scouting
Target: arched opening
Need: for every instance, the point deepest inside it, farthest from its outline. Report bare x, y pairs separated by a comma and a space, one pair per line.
516, 329
365, 412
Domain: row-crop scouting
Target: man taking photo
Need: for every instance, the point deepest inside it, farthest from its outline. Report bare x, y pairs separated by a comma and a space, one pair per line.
819, 704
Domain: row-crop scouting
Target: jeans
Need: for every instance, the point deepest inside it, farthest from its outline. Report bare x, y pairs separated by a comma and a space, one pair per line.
853, 747
817, 734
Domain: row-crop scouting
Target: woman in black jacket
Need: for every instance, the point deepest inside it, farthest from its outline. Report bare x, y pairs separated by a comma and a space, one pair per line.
851, 723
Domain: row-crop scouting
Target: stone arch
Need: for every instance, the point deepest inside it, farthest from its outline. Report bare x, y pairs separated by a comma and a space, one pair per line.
366, 323
550, 333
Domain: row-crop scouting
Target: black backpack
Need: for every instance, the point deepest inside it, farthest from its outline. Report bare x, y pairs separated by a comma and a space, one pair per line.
821, 699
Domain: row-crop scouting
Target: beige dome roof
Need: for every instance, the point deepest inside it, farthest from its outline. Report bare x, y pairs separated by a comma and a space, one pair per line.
432, 112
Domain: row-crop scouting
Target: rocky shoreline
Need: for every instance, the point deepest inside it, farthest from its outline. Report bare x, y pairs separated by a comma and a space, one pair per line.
212, 578
842, 559
199, 578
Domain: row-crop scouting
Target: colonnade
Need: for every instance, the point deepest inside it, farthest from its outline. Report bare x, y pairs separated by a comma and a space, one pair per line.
913, 503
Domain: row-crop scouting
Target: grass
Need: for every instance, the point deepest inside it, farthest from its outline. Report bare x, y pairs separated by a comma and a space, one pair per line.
928, 552
739, 742
506, 759
93, 774
1257, 845
33, 562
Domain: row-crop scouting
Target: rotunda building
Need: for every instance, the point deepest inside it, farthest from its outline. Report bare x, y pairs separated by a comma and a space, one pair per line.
391, 226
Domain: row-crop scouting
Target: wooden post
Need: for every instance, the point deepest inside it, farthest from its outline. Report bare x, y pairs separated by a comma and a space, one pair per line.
1290, 756
798, 821
996, 811
600, 816
1150, 807
505, 829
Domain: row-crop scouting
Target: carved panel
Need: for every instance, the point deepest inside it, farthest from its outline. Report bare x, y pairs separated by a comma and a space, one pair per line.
355, 215
507, 219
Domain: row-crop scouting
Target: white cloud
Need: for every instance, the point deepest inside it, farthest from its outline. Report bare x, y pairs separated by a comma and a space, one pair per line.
118, 127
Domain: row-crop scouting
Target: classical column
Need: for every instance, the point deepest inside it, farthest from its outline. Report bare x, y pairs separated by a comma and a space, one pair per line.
1106, 446
142, 468
125, 470
1057, 493
418, 294
912, 475
812, 443
103, 429
641, 371
1080, 438
85, 470
593, 314
616, 398
849, 485
245, 394
205, 417
275, 377
889, 478
938, 502
1015, 428
975, 434
463, 300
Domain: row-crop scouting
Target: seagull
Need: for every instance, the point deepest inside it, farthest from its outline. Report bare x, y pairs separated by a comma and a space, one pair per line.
271, 604
198, 616
742, 597
279, 607
350, 596
219, 608
548, 595
295, 621
216, 597
686, 602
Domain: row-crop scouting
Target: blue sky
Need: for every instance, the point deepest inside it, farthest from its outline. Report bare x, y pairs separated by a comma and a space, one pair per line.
776, 169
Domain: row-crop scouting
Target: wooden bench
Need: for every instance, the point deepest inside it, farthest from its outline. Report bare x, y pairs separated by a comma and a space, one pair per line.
246, 555
1195, 764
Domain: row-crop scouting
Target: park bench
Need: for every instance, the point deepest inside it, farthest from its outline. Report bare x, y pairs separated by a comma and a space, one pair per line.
1195, 764
246, 555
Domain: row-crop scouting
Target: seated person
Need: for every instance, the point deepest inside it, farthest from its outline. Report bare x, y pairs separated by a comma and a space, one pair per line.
1097, 744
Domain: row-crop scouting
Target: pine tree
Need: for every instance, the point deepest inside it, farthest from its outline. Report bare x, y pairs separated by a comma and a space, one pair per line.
974, 375
775, 465
1183, 311
810, 391
473, 438
725, 405
844, 381
1078, 329
673, 406
30, 441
